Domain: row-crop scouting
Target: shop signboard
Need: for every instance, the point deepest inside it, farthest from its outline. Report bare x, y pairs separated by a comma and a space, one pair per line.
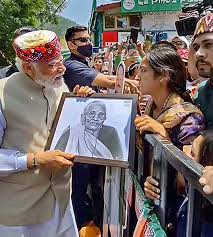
134, 6
109, 38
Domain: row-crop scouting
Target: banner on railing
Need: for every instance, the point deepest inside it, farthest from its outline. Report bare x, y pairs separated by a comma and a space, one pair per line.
148, 224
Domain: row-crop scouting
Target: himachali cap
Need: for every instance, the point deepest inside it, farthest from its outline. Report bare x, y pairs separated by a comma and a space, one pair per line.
37, 46
204, 25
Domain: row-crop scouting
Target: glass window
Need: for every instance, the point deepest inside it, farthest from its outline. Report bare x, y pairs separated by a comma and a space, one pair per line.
122, 22
109, 22
134, 20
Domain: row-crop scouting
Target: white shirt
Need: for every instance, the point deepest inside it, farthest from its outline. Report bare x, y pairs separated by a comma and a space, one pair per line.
11, 161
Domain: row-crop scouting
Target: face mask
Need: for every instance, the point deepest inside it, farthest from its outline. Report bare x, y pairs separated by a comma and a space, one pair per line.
85, 50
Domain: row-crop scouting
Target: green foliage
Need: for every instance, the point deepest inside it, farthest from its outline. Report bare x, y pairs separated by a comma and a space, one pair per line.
17, 13
62, 25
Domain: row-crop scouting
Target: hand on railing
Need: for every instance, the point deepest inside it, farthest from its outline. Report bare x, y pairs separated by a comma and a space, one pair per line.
151, 188
145, 123
207, 180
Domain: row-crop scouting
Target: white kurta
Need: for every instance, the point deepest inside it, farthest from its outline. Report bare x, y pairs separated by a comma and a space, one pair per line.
56, 226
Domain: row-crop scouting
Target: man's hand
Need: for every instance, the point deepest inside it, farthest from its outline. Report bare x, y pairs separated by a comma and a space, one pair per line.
151, 189
83, 91
130, 88
207, 180
51, 160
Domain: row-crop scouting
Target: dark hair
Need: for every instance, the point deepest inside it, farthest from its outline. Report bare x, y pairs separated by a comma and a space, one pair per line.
132, 68
165, 59
23, 30
206, 150
97, 57
72, 30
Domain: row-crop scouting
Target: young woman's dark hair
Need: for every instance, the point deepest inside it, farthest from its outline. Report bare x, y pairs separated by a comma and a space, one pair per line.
72, 30
164, 59
206, 150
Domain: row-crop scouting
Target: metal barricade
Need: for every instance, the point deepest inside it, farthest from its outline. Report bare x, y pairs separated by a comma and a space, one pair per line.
164, 153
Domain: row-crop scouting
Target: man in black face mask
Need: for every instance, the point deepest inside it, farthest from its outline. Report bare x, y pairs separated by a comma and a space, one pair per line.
78, 71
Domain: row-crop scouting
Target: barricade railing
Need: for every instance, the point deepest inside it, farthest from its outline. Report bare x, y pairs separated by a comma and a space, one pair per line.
156, 153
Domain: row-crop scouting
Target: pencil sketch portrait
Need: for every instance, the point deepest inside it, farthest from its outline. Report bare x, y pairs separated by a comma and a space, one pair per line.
90, 136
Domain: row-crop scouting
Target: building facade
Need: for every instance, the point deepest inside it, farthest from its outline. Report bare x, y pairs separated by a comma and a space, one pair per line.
111, 23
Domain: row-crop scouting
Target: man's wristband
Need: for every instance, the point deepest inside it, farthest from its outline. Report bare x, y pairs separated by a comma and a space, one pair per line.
34, 162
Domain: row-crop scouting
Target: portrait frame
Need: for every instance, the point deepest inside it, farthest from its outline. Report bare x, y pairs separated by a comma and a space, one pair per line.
128, 161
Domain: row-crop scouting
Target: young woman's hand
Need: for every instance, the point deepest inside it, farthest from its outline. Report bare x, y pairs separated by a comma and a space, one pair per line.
151, 188
146, 123
207, 180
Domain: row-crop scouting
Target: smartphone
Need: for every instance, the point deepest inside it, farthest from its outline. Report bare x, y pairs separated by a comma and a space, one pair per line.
134, 35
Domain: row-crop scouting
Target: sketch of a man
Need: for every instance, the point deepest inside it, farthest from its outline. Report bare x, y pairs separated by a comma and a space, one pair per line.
91, 137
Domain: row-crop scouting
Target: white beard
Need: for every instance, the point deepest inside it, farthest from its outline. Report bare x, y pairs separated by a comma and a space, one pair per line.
48, 82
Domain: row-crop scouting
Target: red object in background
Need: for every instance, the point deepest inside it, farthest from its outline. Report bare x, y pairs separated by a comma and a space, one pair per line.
109, 38
184, 54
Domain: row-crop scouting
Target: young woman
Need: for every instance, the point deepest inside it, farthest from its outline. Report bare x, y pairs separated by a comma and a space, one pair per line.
172, 114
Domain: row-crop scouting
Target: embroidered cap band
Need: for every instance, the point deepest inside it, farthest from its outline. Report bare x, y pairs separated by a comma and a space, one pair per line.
37, 46
204, 25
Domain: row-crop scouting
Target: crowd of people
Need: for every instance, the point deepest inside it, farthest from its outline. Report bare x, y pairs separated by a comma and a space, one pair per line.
174, 83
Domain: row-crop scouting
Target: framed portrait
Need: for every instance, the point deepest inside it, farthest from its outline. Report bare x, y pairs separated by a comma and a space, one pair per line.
98, 129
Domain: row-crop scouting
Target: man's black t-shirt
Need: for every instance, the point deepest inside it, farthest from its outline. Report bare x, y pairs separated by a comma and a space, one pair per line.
78, 72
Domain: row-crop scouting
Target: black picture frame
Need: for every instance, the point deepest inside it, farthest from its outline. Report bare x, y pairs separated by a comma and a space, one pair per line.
127, 163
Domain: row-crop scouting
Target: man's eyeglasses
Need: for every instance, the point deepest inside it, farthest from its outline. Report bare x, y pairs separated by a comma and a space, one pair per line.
83, 39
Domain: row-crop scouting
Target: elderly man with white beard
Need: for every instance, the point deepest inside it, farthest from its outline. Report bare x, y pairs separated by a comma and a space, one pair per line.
34, 184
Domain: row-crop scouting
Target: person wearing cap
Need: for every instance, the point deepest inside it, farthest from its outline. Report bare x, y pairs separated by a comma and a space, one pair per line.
180, 42
202, 49
201, 55
34, 184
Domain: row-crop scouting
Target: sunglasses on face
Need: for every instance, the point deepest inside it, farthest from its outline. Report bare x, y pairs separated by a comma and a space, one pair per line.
83, 39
